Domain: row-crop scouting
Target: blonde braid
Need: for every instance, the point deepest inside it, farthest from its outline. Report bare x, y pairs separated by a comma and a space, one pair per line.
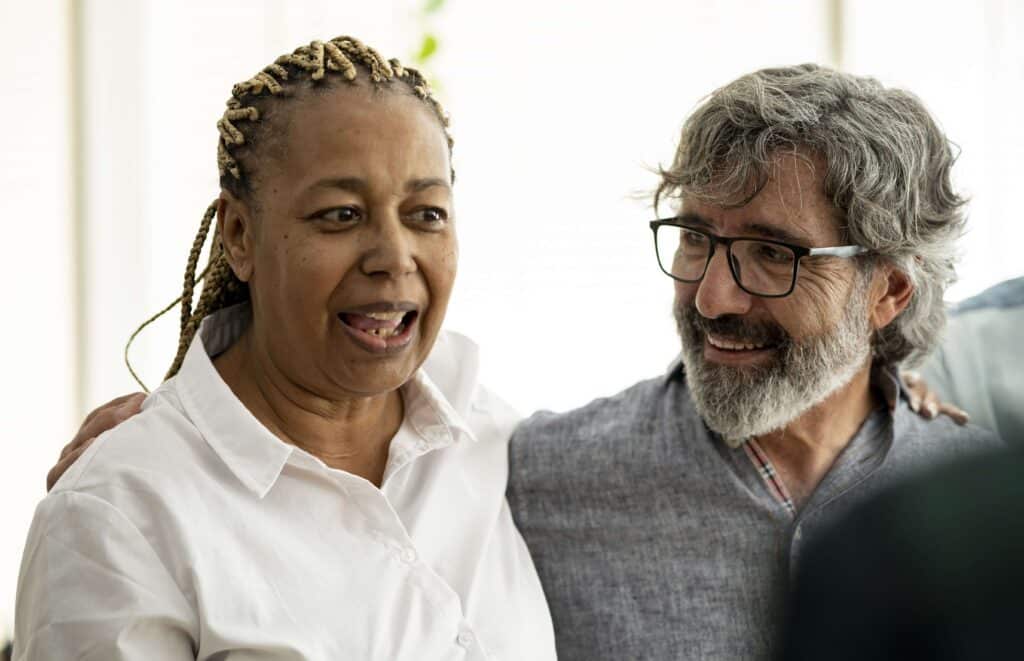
341, 55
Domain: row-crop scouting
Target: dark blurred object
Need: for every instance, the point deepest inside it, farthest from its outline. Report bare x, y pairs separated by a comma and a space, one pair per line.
7, 652
931, 569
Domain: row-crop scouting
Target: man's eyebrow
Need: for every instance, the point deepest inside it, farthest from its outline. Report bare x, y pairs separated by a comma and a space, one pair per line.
777, 233
753, 228
694, 219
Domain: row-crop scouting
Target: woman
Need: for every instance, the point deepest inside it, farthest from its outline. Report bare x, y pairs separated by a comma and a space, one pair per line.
305, 485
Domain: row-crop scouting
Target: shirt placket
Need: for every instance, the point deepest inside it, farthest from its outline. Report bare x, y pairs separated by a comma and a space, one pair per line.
386, 528
770, 476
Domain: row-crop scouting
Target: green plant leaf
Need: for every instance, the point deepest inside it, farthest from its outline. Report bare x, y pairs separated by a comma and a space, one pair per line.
427, 48
431, 6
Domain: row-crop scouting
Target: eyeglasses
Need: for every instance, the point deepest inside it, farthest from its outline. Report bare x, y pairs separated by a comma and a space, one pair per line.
762, 267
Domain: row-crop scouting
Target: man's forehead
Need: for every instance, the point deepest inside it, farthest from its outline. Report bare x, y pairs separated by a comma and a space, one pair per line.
791, 205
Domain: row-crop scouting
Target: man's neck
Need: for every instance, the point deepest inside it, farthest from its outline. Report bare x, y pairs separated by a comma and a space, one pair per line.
348, 433
805, 450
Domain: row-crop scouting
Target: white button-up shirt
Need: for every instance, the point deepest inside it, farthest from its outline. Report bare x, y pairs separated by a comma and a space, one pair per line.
192, 532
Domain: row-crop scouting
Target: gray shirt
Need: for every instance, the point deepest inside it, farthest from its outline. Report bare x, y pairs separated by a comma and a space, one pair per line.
655, 540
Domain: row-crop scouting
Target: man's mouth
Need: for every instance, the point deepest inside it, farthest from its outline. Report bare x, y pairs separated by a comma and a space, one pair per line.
726, 344
380, 330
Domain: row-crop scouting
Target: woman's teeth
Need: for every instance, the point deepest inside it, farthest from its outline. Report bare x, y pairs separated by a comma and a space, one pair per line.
385, 332
722, 343
385, 316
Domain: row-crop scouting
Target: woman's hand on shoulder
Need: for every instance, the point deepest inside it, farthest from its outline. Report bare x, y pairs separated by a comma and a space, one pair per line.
100, 420
925, 402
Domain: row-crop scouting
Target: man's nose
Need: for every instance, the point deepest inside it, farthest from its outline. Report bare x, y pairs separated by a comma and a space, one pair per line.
389, 248
718, 294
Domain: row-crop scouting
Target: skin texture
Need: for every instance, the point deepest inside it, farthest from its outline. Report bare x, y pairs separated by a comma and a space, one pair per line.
357, 211
793, 206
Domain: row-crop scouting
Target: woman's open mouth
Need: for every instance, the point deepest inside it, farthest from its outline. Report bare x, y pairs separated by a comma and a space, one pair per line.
380, 331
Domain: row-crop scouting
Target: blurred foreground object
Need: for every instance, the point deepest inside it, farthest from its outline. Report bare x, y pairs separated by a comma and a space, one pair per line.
928, 570
980, 363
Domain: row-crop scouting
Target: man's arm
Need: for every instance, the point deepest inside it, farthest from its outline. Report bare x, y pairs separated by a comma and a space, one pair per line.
92, 587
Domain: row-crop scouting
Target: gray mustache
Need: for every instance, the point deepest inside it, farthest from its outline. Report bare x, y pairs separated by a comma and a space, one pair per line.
732, 327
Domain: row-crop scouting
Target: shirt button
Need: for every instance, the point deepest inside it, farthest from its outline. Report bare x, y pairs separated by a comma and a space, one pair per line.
409, 555
465, 638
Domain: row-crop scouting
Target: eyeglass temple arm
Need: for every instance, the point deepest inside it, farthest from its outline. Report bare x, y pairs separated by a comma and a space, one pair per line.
838, 251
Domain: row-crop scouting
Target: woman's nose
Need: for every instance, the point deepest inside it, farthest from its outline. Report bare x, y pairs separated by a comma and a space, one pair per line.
718, 294
389, 249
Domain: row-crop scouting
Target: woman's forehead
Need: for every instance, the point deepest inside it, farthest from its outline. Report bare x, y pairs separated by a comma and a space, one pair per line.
365, 130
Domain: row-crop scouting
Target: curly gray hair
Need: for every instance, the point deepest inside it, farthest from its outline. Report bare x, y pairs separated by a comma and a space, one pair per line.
888, 175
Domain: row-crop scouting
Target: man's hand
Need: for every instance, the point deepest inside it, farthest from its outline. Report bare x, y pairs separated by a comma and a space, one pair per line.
103, 418
925, 402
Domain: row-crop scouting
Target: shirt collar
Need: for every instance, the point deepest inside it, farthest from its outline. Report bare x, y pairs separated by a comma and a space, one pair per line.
250, 451
255, 455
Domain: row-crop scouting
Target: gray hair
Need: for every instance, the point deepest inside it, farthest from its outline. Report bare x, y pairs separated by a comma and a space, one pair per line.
887, 174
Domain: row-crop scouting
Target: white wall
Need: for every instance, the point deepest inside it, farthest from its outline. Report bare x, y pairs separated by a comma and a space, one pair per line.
966, 62
37, 390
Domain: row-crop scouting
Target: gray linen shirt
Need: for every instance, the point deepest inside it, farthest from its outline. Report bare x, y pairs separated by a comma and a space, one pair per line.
655, 540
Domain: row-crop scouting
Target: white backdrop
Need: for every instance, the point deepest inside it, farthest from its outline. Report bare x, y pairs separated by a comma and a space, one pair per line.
559, 111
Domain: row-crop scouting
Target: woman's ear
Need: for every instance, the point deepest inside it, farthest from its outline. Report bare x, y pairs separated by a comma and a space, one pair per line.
236, 226
891, 291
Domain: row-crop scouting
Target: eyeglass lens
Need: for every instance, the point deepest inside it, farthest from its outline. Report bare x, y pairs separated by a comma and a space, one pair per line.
760, 267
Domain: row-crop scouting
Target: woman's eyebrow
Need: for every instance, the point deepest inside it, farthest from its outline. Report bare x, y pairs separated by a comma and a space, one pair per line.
359, 185
417, 185
354, 184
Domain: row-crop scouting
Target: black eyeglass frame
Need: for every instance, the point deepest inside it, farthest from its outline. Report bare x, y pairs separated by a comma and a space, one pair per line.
799, 252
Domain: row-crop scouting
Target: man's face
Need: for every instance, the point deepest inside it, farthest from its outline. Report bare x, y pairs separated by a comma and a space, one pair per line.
755, 364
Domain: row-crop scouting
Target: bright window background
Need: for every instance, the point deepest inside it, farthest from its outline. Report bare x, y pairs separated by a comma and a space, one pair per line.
559, 111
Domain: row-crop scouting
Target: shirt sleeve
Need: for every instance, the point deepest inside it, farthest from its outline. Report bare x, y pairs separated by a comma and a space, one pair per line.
92, 587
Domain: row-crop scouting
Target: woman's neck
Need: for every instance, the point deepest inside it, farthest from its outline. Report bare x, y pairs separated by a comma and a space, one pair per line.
350, 433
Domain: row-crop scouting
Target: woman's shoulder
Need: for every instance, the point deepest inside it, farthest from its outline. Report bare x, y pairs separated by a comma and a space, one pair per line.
454, 368
145, 453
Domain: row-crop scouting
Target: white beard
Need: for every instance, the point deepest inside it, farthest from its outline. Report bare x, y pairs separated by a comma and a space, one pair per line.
739, 403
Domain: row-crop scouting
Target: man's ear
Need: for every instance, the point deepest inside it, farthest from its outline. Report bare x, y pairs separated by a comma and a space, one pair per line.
891, 291
237, 227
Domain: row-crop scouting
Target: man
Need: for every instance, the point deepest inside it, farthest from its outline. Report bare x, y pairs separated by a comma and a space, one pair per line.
812, 242
810, 245
980, 364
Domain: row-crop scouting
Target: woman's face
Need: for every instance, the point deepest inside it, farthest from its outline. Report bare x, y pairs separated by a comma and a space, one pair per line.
351, 252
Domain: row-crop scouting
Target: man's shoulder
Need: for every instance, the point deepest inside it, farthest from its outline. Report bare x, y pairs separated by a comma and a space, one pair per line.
923, 442
1007, 294
606, 418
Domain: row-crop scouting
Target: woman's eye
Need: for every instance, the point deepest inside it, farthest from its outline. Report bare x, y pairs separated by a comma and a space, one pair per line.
340, 215
430, 215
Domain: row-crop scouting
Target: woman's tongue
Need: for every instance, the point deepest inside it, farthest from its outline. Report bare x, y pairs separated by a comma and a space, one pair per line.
379, 324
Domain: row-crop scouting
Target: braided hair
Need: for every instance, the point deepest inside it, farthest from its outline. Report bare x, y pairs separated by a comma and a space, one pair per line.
247, 134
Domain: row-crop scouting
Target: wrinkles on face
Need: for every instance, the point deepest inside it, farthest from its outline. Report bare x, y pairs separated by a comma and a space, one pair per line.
754, 363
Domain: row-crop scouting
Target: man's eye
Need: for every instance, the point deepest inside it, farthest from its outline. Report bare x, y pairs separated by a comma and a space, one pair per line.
430, 215
340, 215
691, 238
773, 253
